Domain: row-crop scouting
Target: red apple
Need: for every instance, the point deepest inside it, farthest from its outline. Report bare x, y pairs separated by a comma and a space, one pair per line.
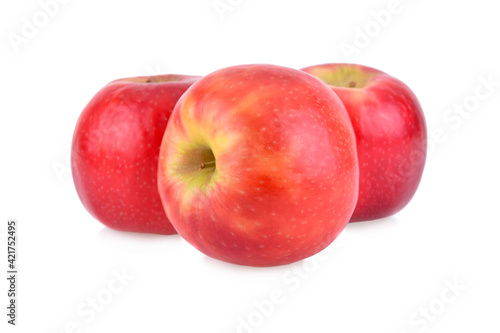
258, 165
114, 155
390, 132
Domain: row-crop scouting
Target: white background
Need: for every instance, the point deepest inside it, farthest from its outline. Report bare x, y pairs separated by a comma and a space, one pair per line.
375, 278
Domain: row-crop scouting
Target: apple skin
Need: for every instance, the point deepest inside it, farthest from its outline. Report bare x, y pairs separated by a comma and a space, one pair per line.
390, 132
114, 154
285, 179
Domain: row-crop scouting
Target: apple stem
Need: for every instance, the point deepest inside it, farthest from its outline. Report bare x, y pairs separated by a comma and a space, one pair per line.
203, 165
352, 84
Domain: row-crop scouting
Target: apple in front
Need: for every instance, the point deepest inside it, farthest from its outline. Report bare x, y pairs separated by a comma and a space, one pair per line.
390, 132
258, 165
114, 154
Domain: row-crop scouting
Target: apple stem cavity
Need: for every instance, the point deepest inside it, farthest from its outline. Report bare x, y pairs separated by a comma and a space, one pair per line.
347, 76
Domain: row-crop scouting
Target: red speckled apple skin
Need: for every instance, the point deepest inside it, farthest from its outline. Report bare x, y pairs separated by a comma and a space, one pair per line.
391, 140
114, 155
286, 178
